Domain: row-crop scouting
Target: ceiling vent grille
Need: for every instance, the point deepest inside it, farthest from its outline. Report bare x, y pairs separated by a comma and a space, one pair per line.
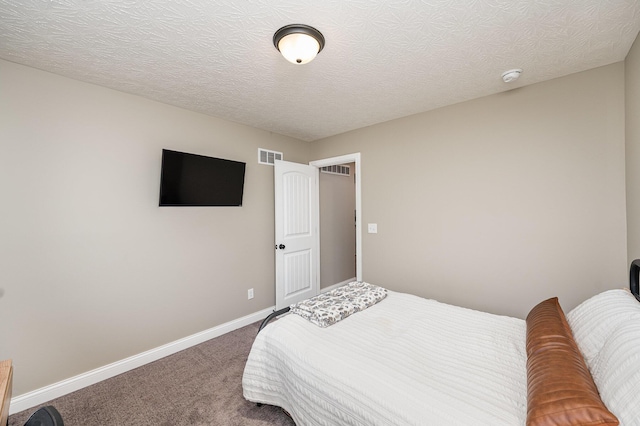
268, 157
336, 170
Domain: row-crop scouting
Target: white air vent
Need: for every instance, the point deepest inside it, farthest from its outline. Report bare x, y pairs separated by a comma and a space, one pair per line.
268, 157
336, 170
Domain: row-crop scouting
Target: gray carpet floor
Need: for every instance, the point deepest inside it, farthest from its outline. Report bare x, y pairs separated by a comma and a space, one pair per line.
201, 385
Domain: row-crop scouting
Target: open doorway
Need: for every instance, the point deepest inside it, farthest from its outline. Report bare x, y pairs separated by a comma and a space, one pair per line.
340, 221
337, 225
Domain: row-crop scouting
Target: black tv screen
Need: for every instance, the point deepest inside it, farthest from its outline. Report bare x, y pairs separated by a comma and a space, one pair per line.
196, 180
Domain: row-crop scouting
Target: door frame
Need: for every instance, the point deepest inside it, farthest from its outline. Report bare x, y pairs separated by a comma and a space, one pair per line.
342, 159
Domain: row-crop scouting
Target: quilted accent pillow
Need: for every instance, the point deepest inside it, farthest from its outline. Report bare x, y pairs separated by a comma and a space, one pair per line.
593, 321
328, 308
616, 371
560, 390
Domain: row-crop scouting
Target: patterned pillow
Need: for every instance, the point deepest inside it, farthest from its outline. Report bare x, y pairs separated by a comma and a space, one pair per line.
328, 308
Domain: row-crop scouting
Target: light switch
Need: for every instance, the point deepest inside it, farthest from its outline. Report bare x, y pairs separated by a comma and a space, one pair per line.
372, 228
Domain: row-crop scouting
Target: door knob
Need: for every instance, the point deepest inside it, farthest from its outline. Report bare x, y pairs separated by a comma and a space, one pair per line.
281, 246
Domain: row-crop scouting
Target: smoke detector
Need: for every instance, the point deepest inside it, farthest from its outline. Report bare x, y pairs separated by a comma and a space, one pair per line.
511, 75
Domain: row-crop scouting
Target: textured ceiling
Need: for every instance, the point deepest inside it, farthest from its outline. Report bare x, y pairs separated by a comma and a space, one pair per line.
382, 59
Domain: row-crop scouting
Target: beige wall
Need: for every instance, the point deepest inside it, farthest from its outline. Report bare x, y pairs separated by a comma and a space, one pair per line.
632, 127
502, 201
91, 269
337, 228
493, 204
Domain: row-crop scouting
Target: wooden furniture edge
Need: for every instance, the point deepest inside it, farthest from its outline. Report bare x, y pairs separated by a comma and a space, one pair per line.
6, 380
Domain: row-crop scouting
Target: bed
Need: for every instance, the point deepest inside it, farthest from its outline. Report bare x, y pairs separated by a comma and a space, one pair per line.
405, 360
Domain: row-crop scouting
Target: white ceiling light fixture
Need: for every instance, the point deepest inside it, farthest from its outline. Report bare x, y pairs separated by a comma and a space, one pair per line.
298, 43
511, 75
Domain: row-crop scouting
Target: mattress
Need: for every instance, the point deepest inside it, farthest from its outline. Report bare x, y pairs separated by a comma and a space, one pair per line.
404, 361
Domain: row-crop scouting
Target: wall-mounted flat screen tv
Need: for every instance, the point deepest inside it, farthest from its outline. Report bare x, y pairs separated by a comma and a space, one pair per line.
196, 180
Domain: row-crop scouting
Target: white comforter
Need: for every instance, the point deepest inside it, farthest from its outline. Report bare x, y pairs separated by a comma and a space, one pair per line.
403, 361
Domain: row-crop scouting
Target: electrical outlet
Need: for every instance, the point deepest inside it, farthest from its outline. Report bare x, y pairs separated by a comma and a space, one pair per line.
250, 293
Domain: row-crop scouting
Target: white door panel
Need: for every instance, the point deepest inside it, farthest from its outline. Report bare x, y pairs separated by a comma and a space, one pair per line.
297, 238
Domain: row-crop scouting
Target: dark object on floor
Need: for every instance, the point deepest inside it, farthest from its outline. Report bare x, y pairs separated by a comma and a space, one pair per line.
45, 416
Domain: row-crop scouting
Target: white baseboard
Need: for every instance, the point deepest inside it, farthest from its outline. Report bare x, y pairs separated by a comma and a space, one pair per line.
64, 387
331, 287
56, 390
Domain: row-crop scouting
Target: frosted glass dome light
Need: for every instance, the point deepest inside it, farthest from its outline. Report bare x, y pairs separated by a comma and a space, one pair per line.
298, 43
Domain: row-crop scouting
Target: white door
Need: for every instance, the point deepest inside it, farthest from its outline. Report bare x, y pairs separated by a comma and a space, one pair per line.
297, 238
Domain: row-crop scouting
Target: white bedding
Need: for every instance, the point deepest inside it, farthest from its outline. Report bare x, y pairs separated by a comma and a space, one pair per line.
403, 361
